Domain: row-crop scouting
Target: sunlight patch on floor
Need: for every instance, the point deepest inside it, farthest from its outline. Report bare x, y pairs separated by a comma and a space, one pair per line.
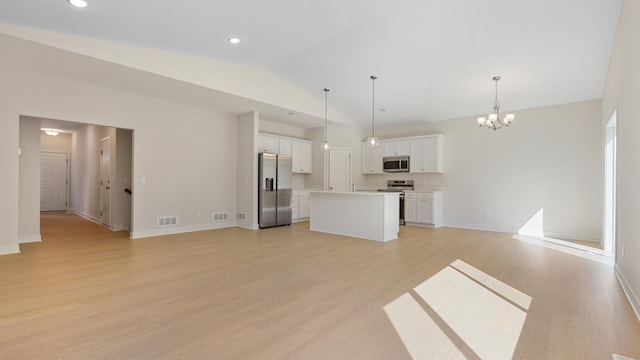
472, 310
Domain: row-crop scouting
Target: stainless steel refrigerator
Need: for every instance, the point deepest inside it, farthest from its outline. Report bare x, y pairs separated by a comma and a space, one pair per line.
274, 190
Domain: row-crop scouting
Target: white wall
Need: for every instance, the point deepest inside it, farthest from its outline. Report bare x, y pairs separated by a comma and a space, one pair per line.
247, 191
187, 154
622, 92
58, 143
85, 169
29, 182
338, 137
122, 176
549, 159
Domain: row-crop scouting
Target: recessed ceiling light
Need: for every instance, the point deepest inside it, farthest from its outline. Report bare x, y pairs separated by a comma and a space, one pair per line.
78, 3
234, 40
51, 132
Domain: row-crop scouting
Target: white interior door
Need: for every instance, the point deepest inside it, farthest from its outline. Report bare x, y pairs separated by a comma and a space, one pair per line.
339, 169
105, 181
53, 181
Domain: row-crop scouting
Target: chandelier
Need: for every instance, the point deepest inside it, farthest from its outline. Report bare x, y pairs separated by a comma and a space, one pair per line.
494, 121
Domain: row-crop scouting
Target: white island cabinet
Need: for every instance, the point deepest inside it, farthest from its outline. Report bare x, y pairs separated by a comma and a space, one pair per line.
365, 215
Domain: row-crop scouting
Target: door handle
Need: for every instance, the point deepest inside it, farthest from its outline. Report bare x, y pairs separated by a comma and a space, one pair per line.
108, 188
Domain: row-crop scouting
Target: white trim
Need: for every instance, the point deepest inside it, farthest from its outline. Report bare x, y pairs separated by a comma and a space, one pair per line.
547, 234
569, 236
180, 230
85, 216
29, 239
248, 226
481, 227
567, 249
9, 249
633, 298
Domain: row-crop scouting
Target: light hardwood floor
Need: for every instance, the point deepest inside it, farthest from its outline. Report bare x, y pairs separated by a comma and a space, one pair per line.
88, 293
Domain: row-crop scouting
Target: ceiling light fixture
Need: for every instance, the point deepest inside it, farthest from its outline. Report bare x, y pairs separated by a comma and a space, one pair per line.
493, 121
373, 140
51, 132
234, 40
78, 3
325, 144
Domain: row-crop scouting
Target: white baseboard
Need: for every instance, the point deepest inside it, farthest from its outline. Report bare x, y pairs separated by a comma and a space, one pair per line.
85, 216
480, 227
29, 239
180, 230
633, 298
570, 236
246, 225
9, 249
549, 234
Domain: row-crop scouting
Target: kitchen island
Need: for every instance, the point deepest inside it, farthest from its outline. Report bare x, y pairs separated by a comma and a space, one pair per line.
365, 215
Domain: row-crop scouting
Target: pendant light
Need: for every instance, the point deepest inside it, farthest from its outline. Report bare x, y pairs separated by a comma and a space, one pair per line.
325, 144
373, 140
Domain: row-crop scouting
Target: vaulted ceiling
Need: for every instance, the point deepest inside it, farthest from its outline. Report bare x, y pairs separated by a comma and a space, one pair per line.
434, 58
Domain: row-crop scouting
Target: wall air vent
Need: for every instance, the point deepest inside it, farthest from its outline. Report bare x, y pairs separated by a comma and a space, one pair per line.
220, 216
241, 216
167, 221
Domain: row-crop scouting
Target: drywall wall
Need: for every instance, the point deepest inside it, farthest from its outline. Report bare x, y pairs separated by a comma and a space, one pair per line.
121, 219
548, 161
29, 207
338, 137
279, 128
235, 79
58, 143
85, 169
247, 191
186, 154
622, 91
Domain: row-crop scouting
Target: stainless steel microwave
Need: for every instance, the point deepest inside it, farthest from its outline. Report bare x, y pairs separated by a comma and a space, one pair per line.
395, 164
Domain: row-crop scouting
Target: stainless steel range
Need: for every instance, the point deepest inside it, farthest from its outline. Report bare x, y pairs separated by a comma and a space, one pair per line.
399, 186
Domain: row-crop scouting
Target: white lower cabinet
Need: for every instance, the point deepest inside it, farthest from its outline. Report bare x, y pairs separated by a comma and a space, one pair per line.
410, 207
304, 204
294, 205
423, 208
300, 205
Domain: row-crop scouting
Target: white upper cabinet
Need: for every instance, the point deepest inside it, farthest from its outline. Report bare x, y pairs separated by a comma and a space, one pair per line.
301, 156
371, 159
396, 147
267, 144
284, 146
426, 154
298, 149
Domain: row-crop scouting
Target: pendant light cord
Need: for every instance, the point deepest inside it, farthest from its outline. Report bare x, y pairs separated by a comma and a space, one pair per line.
326, 93
373, 107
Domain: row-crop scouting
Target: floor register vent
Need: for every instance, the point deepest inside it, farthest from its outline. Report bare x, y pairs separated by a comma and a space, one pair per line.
167, 221
221, 216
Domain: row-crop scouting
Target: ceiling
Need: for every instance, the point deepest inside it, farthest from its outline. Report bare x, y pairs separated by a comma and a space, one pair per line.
434, 58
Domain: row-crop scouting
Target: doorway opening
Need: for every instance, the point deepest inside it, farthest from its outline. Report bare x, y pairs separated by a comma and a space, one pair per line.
97, 164
609, 224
